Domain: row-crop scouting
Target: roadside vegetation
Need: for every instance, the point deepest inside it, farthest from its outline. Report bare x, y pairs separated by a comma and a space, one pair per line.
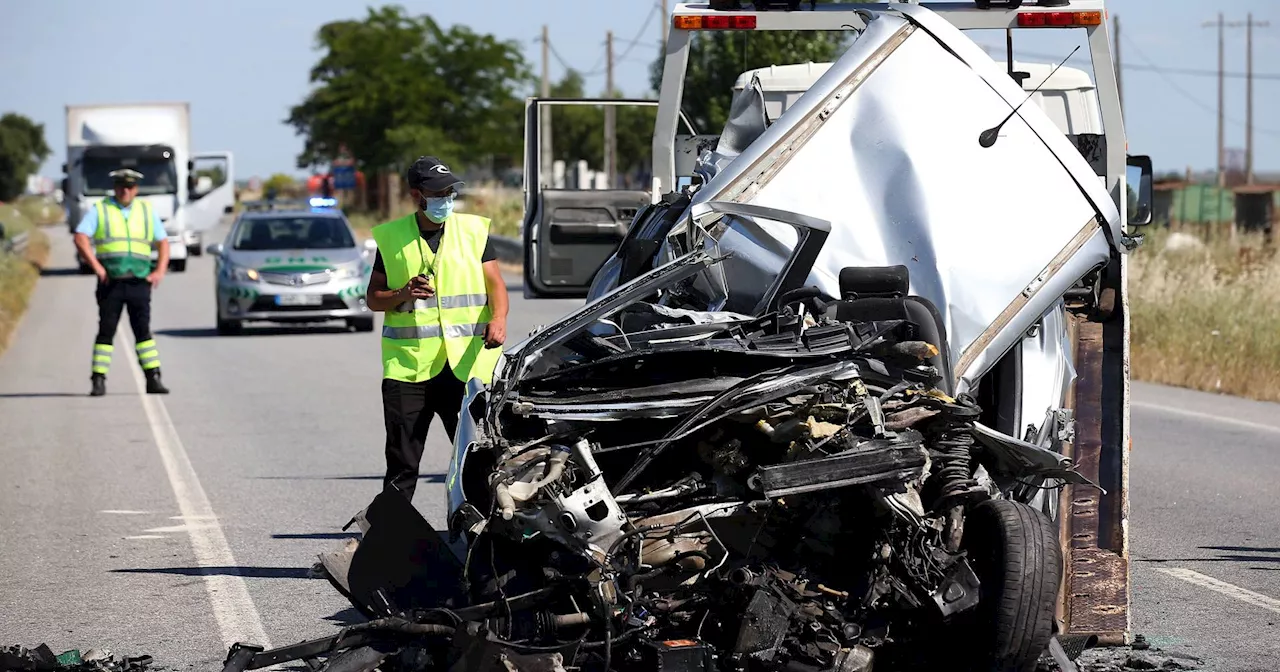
19, 272
1206, 315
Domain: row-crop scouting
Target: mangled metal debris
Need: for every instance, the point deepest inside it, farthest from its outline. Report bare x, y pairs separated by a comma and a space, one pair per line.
788, 489
766, 453
1139, 657
43, 659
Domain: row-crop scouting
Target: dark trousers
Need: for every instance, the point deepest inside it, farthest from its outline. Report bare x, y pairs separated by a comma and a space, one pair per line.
114, 296
407, 409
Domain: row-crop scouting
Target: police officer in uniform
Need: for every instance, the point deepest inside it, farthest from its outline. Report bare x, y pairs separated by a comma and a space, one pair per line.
437, 280
116, 237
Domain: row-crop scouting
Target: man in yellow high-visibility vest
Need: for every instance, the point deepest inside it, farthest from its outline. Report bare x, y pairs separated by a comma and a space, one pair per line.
115, 238
437, 280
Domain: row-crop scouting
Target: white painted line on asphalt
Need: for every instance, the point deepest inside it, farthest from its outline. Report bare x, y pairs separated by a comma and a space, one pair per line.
124, 512
1242, 594
146, 536
238, 619
1206, 416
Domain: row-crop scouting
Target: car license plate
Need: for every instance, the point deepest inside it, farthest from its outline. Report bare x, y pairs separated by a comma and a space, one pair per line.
298, 299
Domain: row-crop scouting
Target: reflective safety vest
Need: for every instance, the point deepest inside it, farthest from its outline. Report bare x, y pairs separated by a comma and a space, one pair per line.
419, 337
124, 247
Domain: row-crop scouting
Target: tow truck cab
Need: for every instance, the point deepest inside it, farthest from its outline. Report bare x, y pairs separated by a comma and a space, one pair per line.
1084, 340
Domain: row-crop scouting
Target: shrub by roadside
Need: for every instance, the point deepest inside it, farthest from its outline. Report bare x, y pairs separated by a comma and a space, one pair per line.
18, 272
1207, 316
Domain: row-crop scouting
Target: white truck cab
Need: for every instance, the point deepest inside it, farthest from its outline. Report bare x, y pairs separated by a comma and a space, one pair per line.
1066, 94
155, 140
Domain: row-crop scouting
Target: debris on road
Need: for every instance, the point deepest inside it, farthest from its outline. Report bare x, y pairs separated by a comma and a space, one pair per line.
1138, 657
43, 659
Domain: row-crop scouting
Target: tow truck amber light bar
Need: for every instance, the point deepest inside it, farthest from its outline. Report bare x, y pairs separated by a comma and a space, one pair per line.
1058, 19
714, 22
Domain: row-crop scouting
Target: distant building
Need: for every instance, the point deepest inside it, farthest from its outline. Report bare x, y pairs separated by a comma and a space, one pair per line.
38, 184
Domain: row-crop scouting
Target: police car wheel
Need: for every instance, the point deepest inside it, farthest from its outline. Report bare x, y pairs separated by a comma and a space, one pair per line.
195, 250
178, 265
226, 327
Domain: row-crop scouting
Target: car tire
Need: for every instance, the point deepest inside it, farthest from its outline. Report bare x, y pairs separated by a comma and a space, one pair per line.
178, 265
195, 250
1015, 552
229, 327
361, 323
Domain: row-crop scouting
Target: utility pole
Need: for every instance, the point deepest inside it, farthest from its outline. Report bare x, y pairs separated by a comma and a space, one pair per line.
1119, 77
1248, 103
1222, 152
1222, 173
545, 166
610, 117
1248, 123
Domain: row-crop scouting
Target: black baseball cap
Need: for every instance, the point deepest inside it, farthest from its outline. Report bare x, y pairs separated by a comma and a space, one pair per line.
431, 174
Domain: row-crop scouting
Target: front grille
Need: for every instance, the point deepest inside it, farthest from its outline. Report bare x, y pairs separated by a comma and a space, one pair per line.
296, 279
267, 304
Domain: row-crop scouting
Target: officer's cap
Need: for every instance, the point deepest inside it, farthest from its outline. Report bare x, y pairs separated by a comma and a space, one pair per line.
125, 176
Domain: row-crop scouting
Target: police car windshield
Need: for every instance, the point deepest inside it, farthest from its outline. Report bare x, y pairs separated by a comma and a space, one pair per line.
292, 233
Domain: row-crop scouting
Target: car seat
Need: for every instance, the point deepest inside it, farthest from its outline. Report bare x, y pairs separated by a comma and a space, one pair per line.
869, 293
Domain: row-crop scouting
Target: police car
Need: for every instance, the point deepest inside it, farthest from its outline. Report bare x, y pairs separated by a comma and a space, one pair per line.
292, 262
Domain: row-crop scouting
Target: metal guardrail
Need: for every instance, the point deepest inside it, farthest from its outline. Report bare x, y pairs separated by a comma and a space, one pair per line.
509, 250
17, 244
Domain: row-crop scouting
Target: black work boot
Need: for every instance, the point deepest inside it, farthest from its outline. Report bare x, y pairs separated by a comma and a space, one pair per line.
99, 385
154, 386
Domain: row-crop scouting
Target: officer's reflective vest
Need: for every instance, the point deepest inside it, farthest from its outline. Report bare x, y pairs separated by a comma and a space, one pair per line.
419, 337
124, 247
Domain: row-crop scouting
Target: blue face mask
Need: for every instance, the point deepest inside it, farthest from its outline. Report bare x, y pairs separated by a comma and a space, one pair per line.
438, 209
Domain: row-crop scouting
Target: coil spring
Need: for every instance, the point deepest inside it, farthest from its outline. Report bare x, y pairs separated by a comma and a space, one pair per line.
952, 449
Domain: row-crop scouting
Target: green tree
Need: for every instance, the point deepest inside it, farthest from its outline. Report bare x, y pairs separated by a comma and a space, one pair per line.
392, 87
283, 185
22, 150
215, 175
716, 58
577, 131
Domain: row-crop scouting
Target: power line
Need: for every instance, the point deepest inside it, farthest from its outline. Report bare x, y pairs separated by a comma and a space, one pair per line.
1151, 68
1190, 96
597, 68
648, 19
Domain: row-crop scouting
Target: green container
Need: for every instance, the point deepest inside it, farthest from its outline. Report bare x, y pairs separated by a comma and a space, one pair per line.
69, 658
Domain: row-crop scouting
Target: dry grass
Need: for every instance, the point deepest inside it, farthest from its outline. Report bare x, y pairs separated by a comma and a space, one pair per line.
39, 210
18, 273
1207, 316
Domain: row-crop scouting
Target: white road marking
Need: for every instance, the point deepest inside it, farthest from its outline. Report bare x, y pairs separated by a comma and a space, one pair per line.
233, 608
178, 528
1206, 416
124, 512
1244, 595
146, 536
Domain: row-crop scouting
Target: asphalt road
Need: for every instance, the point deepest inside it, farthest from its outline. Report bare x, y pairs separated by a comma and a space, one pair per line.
172, 526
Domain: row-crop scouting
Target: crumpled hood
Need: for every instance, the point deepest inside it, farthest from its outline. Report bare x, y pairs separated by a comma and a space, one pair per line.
886, 147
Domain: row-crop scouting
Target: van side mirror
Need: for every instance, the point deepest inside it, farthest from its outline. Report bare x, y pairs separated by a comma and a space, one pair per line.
214, 250
1138, 190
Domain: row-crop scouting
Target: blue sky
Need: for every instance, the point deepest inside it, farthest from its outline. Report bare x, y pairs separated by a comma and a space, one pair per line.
241, 64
